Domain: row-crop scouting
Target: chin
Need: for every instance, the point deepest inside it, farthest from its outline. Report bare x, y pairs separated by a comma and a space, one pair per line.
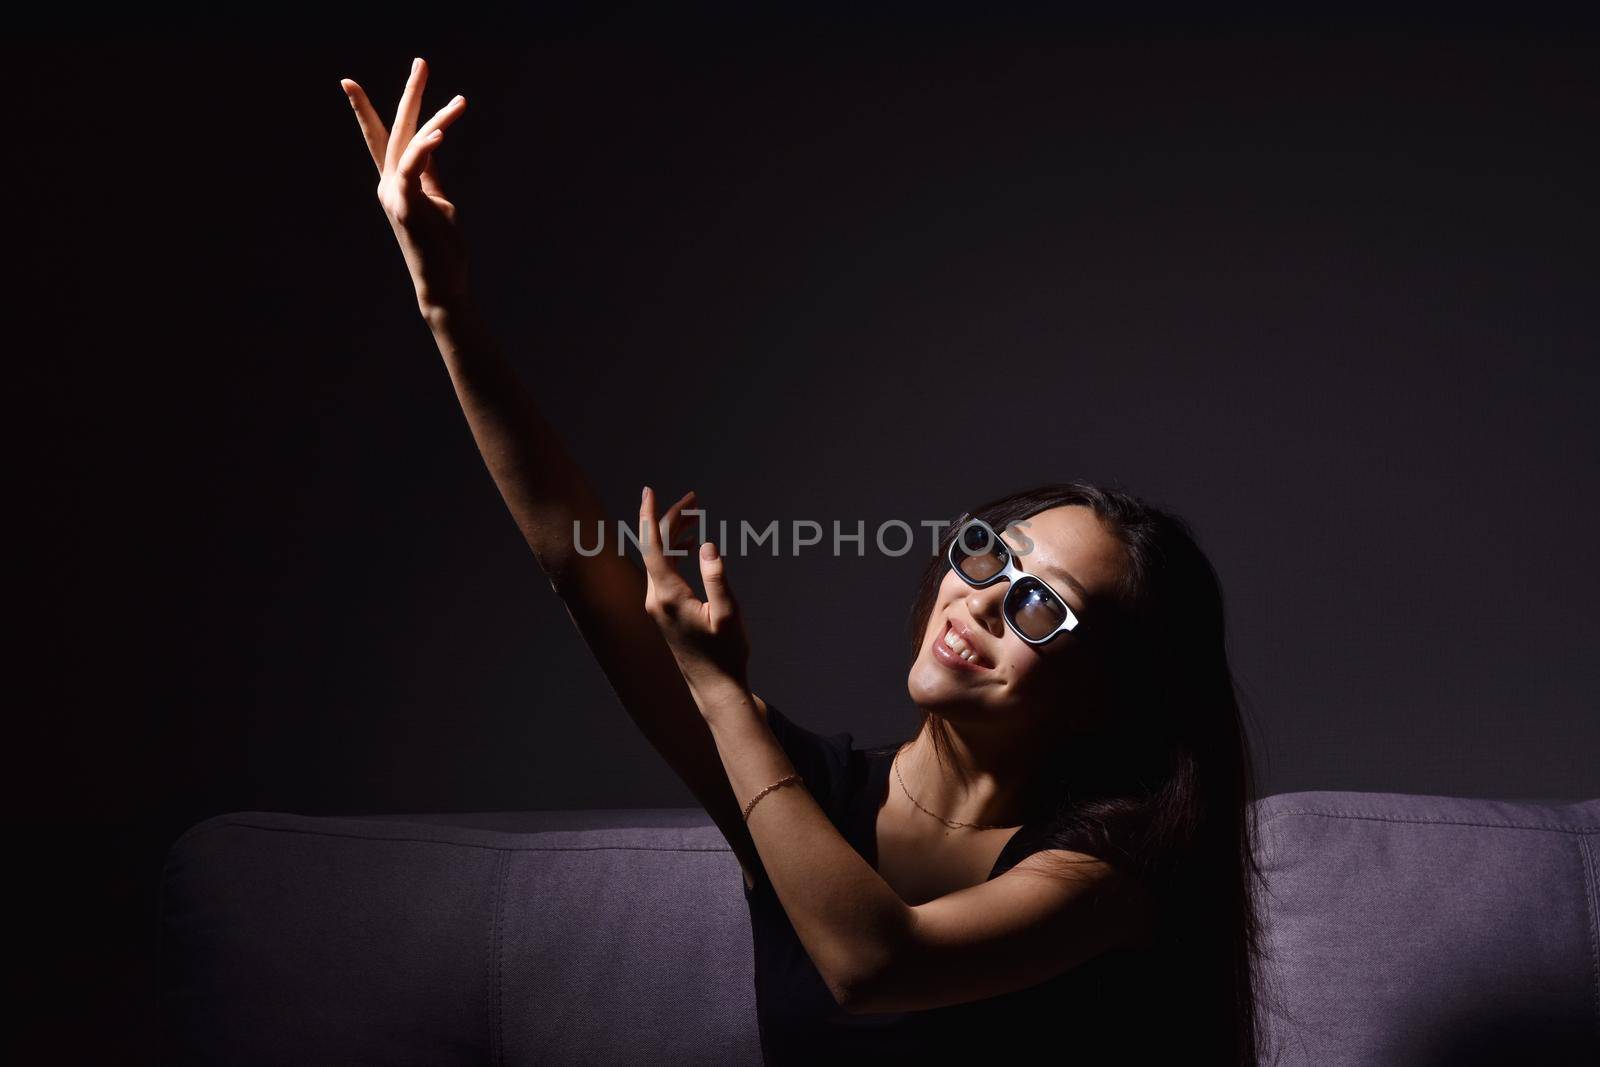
934, 689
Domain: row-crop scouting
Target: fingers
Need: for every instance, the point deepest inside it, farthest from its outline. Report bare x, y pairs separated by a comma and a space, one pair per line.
665, 584
372, 130
415, 158
666, 590
649, 537
418, 155
445, 115
669, 520
713, 573
405, 116
430, 178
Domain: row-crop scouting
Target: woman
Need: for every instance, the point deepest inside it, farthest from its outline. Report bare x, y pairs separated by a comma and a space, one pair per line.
1063, 849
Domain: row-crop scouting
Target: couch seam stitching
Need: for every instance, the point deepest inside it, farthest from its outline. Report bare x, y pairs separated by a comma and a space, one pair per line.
1269, 817
471, 844
1437, 822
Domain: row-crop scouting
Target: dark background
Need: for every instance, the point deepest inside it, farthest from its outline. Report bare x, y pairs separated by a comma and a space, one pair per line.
1327, 291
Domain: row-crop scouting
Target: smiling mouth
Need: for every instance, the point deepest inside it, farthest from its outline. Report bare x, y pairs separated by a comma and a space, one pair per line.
953, 659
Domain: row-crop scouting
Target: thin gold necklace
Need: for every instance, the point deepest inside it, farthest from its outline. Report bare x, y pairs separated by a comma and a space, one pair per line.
895, 763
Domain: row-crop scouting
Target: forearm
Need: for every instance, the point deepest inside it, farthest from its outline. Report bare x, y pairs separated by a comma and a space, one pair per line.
849, 919
542, 486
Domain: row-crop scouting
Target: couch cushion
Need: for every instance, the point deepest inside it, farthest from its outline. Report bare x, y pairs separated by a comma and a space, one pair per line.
512, 937
1426, 930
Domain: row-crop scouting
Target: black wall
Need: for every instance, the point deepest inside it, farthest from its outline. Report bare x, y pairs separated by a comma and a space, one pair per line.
1328, 292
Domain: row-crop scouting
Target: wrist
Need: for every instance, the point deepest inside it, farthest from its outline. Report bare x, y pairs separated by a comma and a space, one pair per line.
724, 699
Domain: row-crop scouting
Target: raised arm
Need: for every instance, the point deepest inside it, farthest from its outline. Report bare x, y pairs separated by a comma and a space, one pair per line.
542, 485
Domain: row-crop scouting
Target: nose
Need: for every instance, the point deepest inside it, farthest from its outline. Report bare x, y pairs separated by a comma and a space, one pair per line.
986, 607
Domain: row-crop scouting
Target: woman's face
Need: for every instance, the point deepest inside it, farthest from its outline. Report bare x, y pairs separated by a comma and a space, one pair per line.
1055, 685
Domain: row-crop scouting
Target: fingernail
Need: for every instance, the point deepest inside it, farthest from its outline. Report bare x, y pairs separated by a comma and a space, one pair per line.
415, 63
708, 550
644, 493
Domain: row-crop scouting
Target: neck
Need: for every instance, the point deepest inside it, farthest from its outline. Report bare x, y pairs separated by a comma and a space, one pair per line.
980, 779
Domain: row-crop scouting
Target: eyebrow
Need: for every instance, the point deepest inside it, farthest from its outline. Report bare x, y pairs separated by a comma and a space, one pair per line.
1072, 583
1062, 576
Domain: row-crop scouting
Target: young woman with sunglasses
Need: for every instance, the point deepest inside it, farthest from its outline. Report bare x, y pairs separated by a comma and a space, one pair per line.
1059, 858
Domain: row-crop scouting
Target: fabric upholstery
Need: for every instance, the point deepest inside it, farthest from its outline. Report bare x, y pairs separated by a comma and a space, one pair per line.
1403, 930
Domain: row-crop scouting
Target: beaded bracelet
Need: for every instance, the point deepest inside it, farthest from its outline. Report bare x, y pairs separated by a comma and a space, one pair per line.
768, 789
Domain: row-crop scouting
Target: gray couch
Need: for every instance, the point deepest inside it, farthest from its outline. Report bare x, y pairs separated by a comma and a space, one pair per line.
1408, 930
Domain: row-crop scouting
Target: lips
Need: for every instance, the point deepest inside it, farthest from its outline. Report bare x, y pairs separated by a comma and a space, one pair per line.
950, 658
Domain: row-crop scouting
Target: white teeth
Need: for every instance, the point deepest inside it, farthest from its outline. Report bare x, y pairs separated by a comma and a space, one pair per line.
959, 646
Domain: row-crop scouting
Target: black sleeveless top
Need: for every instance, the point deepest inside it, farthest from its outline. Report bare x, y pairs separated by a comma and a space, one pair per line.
1107, 1006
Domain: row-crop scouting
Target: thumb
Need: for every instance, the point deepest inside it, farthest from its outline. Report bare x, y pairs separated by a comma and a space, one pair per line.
713, 572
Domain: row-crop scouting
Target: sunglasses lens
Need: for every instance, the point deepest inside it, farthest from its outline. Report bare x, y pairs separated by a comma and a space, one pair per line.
1034, 610
979, 555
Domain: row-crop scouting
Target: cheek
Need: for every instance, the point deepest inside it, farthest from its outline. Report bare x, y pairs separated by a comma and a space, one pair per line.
950, 591
1037, 675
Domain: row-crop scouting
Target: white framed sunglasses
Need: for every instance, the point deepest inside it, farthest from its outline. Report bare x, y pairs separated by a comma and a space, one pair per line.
1035, 612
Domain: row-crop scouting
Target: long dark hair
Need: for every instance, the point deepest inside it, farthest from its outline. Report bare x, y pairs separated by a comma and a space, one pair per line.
1164, 786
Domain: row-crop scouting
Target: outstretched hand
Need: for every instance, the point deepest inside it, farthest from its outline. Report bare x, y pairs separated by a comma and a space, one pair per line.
708, 637
423, 218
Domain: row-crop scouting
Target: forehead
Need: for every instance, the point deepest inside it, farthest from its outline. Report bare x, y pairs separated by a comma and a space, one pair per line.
1070, 539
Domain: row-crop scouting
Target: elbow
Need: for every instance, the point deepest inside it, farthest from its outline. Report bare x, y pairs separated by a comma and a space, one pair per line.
859, 986
847, 982
858, 967
851, 996
863, 997
843, 995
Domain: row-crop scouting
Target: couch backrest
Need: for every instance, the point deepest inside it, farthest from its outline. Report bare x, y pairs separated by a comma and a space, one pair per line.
1404, 930
1432, 930
557, 937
